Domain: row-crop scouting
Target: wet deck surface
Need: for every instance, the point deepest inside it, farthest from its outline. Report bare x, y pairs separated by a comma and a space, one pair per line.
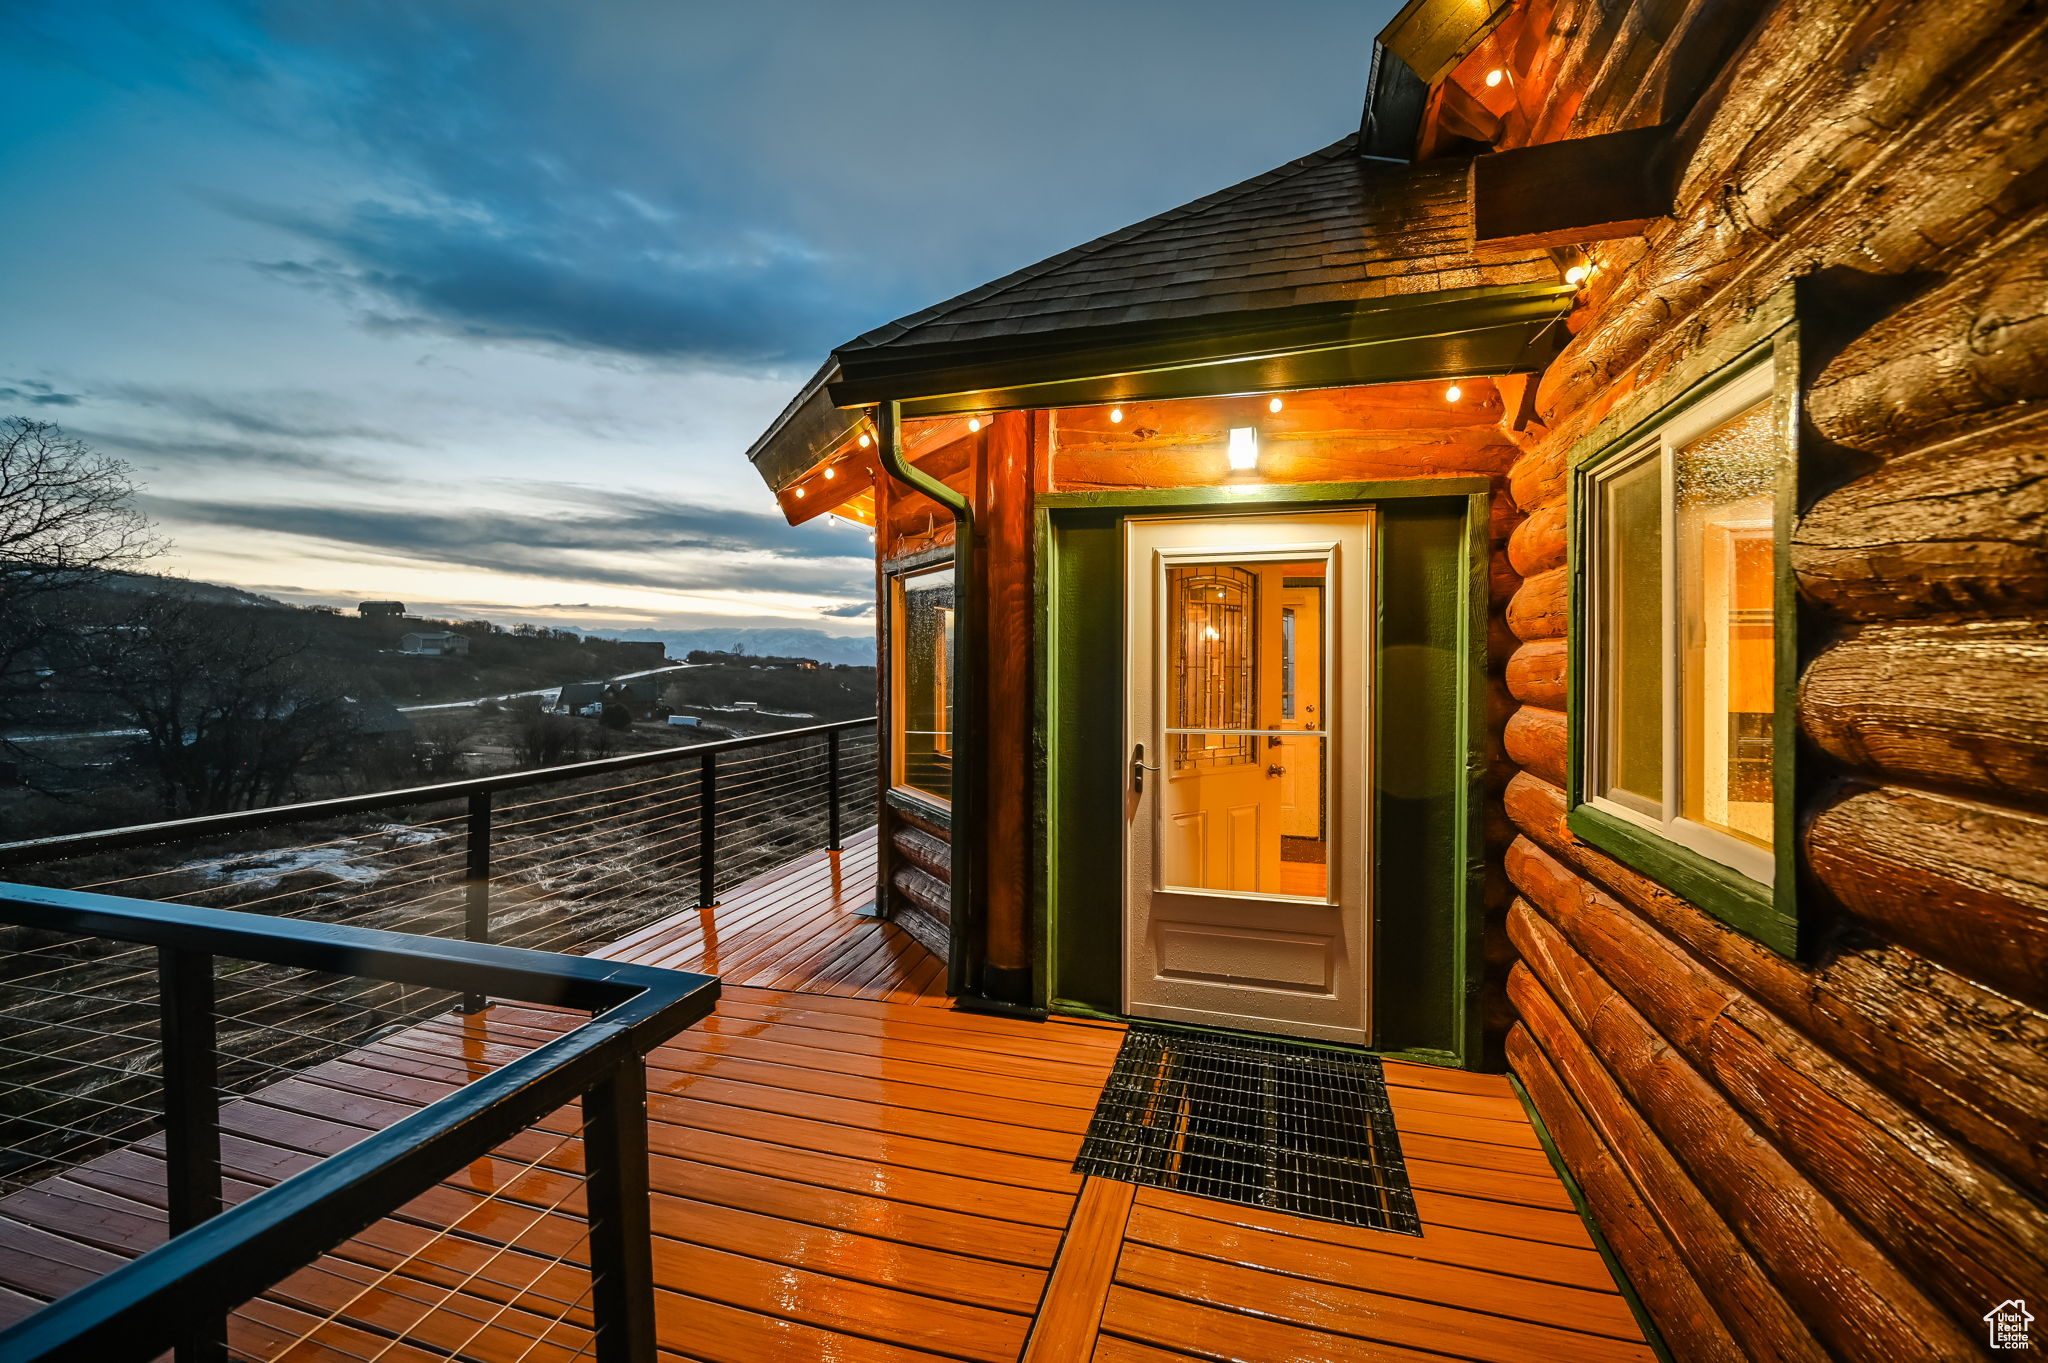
844, 1171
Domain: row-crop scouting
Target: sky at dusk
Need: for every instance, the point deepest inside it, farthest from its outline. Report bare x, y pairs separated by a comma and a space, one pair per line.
478, 303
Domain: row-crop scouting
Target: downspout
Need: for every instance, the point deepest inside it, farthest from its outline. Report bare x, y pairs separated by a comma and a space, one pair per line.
963, 959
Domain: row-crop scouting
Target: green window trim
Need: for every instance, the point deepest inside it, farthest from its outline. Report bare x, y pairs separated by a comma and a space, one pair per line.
1767, 912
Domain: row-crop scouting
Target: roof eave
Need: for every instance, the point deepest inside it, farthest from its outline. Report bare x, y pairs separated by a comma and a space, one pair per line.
1482, 330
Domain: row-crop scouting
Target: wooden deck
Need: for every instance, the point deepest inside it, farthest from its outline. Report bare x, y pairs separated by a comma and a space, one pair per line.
844, 1171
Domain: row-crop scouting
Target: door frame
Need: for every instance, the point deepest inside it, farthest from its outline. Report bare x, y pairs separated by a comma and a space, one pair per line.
1430, 649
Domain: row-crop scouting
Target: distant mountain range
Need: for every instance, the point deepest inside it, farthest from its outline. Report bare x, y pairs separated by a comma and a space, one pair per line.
210, 592
786, 643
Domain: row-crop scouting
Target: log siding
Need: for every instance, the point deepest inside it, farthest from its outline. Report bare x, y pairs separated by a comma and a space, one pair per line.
1839, 1155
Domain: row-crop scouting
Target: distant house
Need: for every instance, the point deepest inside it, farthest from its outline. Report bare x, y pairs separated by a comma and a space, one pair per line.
380, 610
637, 696
440, 643
746, 705
650, 651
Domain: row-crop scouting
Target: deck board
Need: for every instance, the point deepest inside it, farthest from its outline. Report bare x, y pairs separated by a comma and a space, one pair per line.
843, 1167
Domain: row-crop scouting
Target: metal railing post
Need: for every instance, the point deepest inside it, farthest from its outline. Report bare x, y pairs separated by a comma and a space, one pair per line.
476, 883
707, 831
621, 1234
191, 1116
832, 790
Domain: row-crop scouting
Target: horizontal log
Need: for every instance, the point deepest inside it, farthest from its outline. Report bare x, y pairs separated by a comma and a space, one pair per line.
1919, 190
1536, 673
923, 891
1670, 1287
1538, 544
1957, 528
1930, 1204
1542, 608
926, 852
1535, 739
1738, 1293
1971, 344
1962, 705
1969, 1058
1963, 882
1537, 479
1849, 1293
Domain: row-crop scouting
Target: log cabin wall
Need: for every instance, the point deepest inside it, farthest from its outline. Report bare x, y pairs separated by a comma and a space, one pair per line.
1846, 1157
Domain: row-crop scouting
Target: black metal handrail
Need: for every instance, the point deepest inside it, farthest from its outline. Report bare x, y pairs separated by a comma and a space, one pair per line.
179, 1295
238, 821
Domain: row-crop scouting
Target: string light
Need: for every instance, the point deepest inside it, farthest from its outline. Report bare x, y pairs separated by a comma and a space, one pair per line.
1495, 77
830, 474
1576, 274
1275, 405
1116, 416
1453, 393
799, 494
865, 440
974, 423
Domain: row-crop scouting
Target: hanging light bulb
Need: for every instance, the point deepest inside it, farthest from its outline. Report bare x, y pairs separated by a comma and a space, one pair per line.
1576, 274
1495, 77
830, 474
799, 494
1275, 405
974, 423
1116, 416
1453, 393
865, 440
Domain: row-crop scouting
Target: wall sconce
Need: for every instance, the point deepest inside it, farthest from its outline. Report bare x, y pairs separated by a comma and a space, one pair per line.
1244, 447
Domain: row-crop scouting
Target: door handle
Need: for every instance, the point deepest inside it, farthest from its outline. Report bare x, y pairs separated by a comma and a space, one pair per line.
1139, 766
1276, 771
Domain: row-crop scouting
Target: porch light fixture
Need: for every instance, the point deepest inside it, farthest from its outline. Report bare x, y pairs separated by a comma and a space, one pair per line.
1244, 447
1453, 393
1275, 405
1116, 416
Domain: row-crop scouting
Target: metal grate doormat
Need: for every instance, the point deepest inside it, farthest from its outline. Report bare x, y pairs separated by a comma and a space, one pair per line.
1256, 1122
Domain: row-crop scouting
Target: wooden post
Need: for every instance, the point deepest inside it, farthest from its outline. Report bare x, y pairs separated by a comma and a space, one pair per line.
1003, 497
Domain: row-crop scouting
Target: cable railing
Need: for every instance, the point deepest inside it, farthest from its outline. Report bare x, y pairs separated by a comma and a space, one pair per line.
560, 859
475, 1199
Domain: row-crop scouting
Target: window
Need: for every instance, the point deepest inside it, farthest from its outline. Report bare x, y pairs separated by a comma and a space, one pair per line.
1680, 647
921, 661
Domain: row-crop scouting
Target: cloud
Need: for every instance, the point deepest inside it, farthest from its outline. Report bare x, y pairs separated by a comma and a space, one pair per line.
584, 535
852, 610
183, 454
625, 288
36, 394
286, 415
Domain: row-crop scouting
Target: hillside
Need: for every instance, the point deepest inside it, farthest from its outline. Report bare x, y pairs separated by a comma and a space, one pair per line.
855, 650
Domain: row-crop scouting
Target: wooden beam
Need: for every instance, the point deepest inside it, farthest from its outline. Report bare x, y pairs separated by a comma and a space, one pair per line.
1568, 193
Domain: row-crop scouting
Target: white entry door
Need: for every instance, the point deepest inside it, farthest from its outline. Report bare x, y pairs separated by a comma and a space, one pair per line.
1245, 810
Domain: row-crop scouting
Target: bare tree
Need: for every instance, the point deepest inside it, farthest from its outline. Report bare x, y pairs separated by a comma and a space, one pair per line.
66, 519
231, 713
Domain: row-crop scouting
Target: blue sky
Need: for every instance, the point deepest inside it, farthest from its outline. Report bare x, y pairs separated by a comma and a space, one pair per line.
478, 303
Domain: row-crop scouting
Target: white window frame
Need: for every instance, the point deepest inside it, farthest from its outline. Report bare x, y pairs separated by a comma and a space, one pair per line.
1756, 384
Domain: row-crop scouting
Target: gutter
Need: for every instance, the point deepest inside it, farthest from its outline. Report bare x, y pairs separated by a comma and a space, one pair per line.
963, 961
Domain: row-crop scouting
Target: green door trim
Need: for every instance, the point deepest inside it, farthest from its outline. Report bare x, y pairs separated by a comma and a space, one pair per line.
1430, 759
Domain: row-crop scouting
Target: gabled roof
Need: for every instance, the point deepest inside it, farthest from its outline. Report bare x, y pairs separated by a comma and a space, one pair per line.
1327, 227
1296, 252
